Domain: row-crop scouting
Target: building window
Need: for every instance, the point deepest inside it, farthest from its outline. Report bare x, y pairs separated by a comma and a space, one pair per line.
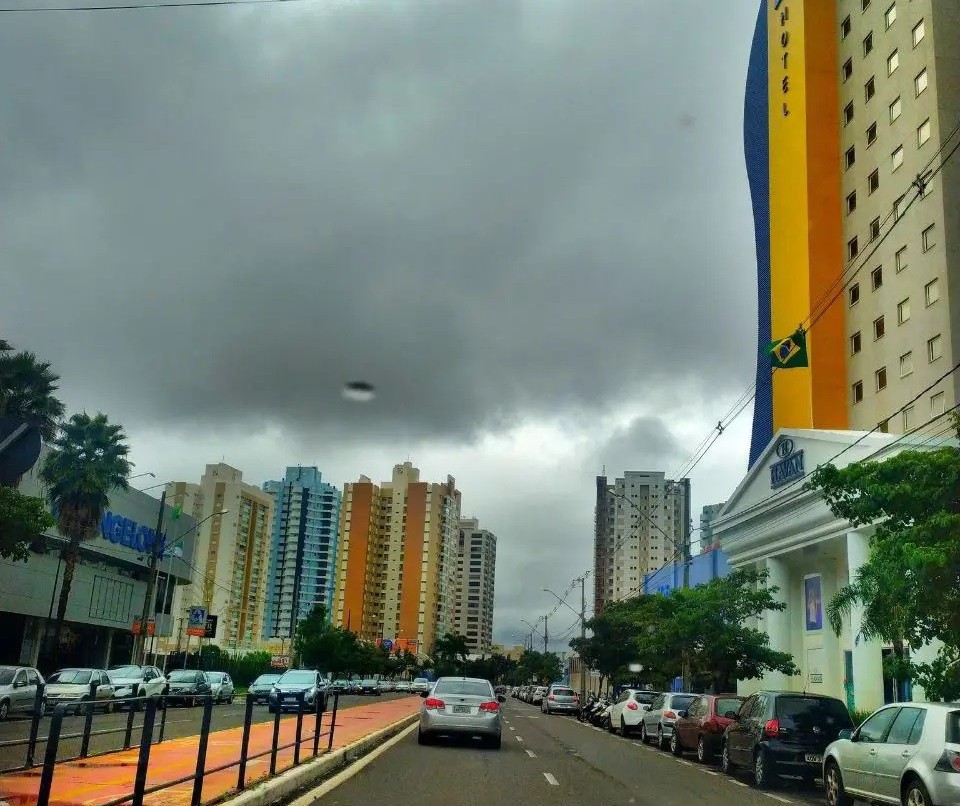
864, 5
854, 294
847, 69
937, 403
934, 348
868, 44
895, 109
901, 259
876, 277
890, 16
927, 238
848, 113
871, 134
850, 158
900, 207
879, 329
903, 310
851, 202
883, 426
893, 62
931, 292
870, 89
896, 158
874, 229
853, 248
923, 132
845, 28
908, 418
918, 33
855, 345
873, 182
880, 379
857, 391
906, 364
920, 82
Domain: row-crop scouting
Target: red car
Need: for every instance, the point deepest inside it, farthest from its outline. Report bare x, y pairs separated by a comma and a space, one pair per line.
701, 726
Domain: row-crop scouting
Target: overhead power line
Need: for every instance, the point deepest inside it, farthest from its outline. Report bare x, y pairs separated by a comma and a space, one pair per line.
146, 6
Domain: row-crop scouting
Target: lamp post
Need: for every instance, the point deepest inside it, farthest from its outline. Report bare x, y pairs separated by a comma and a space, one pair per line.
582, 617
139, 649
533, 629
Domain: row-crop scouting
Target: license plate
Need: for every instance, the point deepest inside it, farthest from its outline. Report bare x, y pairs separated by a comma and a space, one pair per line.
813, 758
461, 709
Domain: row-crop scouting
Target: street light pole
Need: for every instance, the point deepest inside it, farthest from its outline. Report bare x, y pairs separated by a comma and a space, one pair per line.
544, 635
141, 643
583, 637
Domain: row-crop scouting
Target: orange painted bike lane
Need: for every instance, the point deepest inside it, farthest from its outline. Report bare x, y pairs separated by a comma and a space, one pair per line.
100, 780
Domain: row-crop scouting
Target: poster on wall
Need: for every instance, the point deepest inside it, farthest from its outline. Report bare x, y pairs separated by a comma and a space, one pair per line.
814, 602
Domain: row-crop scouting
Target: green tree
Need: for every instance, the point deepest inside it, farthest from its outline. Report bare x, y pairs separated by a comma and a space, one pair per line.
450, 654
87, 462
539, 667
23, 520
27, 388
909, 587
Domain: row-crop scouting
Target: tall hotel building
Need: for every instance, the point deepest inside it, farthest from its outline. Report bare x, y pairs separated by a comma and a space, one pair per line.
641, 523
397, 567
303, 551
851, 119
477, 569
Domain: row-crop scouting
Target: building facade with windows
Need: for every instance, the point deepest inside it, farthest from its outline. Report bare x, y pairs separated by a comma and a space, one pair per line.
476, 579
303, 551
397, 559
641, 523
851, 116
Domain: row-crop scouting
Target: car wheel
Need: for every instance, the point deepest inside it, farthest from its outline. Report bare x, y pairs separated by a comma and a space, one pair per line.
916, 794
835, 794
763, 773
644, 738
703, 754
108, 708
726, 765
660, 744
675, 747
623, 727
4, 710
423, 738
230, 700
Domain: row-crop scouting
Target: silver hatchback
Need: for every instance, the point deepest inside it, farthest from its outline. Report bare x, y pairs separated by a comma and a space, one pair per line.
461, 706
560, 700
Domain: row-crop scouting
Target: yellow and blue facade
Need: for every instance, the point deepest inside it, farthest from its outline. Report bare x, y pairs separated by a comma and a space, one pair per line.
792, 150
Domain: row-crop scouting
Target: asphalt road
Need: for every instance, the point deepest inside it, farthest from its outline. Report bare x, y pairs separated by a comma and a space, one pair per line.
547, 761
108, 729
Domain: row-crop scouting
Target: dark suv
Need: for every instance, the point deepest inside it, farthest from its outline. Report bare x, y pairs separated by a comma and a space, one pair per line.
783, 733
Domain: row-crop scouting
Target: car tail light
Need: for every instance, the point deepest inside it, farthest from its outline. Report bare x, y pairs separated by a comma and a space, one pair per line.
669, 714
432, 702
949, 761
772, 728
632, 706
493, 706
576, 698
551, 697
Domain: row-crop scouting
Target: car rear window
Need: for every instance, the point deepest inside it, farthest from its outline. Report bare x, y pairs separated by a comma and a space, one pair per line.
563, 692
727, 704
646, 697
953, 727
802, 713
682, 701
469, 688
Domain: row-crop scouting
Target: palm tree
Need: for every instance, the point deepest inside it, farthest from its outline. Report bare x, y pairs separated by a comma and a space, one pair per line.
88, 460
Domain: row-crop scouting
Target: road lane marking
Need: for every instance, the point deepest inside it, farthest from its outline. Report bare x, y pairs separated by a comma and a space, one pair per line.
518, 738
531, 754
682, 761
777, 797
551, 780
709, 772
738, 783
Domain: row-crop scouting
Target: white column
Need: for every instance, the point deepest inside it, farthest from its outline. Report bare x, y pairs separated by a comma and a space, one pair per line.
778, 621
867, 655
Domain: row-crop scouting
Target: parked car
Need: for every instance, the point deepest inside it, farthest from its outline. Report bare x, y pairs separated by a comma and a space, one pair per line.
71, 687
461, 706
221, 686
149, 680
783, 733
702, 725
18, 689
188, 687
560, 699
629, 708
260, 688
658, 720
903, 753
371, 687
386, 685
538, 694
285, 694
403, 685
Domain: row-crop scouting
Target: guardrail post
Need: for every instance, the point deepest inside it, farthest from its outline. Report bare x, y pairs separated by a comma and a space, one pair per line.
164, 698
88, 719
146, 740
130, 714
38, 709
333, 721
245, 742
301, 702
50, 757
202, 751
319, 705
276, 737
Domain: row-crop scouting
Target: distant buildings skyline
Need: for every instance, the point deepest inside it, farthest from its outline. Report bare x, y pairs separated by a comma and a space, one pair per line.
476, 570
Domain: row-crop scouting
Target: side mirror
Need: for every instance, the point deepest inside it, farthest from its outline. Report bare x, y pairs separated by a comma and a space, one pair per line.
501, 698
681, 714
846, 733
730, 715
20, 684
424, 694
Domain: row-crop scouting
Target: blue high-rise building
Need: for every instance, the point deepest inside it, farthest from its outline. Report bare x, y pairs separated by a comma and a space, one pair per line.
303, 552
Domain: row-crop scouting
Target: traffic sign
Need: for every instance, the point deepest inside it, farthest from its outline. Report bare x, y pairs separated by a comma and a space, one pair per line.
387, 644
210, 627
197, 621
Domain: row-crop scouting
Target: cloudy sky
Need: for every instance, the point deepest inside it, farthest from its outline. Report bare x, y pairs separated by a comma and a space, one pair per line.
527, 223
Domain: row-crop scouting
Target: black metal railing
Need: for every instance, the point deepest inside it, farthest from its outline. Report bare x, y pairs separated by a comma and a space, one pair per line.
151, 733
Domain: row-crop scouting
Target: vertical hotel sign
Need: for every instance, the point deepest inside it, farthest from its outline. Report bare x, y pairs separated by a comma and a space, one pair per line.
782, 7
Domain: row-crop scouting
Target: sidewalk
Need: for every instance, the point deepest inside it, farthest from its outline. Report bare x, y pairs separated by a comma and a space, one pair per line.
100, 780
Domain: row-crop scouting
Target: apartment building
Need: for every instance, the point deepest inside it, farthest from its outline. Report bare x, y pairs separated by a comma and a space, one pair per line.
303, 550
230, 559
476, 571
397, 562
641, 523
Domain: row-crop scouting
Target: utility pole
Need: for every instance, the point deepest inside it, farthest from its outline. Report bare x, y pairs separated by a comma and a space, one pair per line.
583, 638
139, 655
544, 635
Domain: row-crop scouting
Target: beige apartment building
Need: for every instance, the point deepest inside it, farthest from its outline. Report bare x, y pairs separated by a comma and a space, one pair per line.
899, 76
230, 559
397, 561
476, 573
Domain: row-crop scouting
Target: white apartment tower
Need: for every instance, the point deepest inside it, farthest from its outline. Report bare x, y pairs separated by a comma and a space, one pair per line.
476, 575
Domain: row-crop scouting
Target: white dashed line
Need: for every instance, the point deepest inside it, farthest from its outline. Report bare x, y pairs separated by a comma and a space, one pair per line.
512, 728
636, 744
734, 781
551, 780
531, 754
777, 797
709, 772
681, 761
518, 738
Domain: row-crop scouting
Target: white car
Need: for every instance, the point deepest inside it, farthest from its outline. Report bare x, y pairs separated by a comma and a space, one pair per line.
628, 709
221, 687
150, 682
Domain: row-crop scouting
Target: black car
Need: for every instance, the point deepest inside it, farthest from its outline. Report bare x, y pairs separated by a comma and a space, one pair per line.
188, 687
260, 688
371, 687
780, 733
298, 689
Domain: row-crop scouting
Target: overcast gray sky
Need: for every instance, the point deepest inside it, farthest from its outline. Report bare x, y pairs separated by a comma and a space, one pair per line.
527, 223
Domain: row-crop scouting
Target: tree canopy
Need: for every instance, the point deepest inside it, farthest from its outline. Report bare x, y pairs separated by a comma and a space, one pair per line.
23, 519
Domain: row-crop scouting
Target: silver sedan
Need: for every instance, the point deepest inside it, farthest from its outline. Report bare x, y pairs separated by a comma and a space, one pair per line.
461, 706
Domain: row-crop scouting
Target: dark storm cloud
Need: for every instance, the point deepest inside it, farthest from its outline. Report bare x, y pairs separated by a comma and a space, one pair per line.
484, 208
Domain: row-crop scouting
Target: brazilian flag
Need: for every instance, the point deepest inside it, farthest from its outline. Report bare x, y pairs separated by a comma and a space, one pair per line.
790, 352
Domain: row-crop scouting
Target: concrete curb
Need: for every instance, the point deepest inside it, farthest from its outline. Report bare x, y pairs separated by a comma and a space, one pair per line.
309, 773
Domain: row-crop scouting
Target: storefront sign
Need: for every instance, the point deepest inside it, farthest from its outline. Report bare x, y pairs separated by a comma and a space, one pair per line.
782, 8
790, 465
127, 532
